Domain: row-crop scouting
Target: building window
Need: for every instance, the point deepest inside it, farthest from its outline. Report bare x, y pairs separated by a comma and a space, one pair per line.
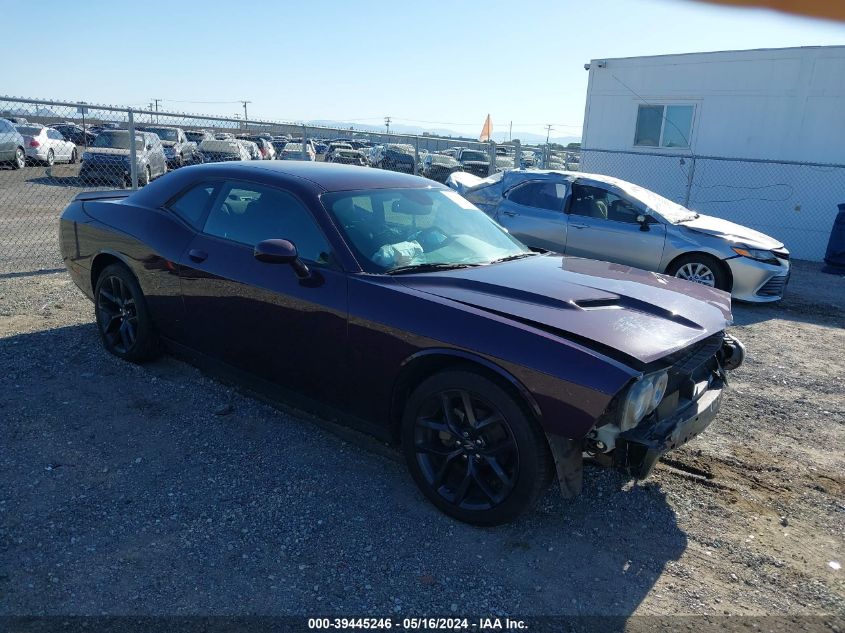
664, 125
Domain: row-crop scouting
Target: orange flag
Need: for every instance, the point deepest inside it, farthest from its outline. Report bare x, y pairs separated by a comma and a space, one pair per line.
487, 130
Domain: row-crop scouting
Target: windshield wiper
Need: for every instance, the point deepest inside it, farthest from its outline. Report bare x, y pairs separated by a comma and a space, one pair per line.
424, 268
510, 258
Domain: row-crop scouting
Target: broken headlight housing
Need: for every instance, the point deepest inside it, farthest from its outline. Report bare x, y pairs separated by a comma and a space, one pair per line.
643, 397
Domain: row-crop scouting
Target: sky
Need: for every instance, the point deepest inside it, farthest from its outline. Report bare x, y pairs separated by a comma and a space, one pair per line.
434, 64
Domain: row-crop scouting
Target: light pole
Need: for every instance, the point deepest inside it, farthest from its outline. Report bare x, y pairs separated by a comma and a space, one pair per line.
246, 116
387, 124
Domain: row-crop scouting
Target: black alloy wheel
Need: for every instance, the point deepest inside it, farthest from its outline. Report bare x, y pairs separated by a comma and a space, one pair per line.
472, 449
122, 317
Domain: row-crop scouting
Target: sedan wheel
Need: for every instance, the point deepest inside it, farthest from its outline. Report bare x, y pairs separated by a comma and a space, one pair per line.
51, 158
472, 449
72, 157
698, 273
20, 159
702, 269
124, 323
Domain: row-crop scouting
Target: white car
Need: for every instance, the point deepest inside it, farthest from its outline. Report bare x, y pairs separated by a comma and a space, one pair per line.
46, 145
251, 148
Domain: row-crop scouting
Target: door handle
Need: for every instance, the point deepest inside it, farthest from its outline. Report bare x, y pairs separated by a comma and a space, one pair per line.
197, 255
578, 226
510, 214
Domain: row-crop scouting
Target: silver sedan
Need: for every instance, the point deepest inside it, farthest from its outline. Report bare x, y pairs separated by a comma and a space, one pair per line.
46, 145
600, 217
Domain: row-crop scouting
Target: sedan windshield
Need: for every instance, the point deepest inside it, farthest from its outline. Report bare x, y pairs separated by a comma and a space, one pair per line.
479, 156
393, 229
117, 140
164, 133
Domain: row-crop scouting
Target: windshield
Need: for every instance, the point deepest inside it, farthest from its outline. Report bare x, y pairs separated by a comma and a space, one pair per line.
117, 140
479, 156
443, 160
293, 147
29, 130
394, 228
196, 137
672, 211
165, 134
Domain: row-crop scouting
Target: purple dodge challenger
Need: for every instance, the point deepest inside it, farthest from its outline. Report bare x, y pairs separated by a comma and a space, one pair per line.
395, 304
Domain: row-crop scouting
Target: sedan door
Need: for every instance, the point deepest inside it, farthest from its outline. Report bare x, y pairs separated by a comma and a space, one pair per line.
533, 212
603, 225
257, 316
61, 147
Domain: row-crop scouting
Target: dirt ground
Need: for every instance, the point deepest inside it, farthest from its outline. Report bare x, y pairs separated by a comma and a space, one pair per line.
158, 490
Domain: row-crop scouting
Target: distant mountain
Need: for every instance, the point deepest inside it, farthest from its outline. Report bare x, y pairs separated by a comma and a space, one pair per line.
398, 128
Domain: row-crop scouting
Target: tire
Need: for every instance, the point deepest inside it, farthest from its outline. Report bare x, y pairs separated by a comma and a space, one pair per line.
51, 158
72, 160
146, 177
700, 268
480, 476
19, 161
123, 320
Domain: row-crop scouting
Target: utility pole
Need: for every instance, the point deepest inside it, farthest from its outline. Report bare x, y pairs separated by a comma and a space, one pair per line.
157, 100
387, 124
246, 116
548, 131
510, 131
548, 156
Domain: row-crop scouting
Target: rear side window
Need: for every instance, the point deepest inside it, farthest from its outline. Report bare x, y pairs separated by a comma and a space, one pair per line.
192, 205
541, 195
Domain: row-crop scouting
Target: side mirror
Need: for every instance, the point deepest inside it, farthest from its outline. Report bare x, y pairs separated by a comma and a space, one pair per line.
281, 252
149, 147
643, 220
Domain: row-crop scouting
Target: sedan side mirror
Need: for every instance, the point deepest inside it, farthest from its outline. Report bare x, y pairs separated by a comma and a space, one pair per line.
643, 220
281, 252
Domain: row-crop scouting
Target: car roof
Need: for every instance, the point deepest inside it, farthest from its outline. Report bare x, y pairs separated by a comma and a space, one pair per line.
327, 177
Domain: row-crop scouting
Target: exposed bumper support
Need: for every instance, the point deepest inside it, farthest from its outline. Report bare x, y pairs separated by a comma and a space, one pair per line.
638, 450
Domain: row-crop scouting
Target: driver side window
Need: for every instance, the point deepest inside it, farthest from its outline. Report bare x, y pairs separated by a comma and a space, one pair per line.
599, 203
541, 195
250, 213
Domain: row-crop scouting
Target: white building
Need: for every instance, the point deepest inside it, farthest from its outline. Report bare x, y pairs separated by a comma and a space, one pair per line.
668, 122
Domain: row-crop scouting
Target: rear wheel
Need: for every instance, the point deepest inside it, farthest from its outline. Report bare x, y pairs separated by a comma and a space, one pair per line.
701, 269
72, 160
472, 448
51, 158
124, 322
19, 162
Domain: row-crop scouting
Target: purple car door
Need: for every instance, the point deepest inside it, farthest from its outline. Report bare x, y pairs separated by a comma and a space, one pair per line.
262, 317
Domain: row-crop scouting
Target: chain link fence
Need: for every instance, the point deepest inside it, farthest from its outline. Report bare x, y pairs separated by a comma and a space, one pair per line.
50, 151
794, 202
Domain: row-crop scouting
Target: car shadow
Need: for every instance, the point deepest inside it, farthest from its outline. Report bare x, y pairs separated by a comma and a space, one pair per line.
156, 490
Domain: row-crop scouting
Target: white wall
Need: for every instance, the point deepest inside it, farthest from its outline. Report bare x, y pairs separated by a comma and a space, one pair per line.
783, 104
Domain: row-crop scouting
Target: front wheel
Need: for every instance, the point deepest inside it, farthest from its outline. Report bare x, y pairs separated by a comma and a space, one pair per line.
472, 448
701, 269
146, 177
72, 160
124, 322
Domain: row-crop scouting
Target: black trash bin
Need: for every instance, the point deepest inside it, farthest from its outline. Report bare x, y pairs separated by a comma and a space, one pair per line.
834, 257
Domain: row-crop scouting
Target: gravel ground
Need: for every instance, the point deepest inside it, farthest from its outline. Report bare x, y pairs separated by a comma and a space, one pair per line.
159, 490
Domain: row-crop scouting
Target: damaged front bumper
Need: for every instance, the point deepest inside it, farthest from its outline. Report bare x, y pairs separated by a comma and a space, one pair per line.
638, 450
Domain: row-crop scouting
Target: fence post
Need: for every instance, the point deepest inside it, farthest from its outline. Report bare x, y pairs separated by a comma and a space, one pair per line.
416, 155
690, 175
133, 151
491, 152
517, 156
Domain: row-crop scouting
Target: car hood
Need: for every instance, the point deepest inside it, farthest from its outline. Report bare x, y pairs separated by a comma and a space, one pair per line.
611, 307
731, 231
